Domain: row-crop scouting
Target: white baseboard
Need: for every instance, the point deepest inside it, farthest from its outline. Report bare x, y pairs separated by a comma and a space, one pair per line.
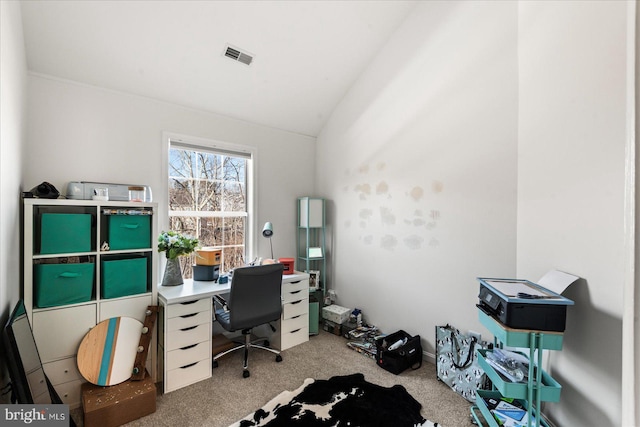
429, 357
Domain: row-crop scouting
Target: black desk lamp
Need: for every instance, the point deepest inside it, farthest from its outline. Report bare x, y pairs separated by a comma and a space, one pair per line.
267, 231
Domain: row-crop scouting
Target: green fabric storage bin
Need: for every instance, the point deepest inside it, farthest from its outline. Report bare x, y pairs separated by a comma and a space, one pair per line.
124, 277
65, 233
129, 232
62, 284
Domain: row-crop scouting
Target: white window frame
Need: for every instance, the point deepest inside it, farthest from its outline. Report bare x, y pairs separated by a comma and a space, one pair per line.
210, 144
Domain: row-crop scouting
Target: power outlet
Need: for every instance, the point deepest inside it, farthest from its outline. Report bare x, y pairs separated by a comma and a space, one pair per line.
475, 335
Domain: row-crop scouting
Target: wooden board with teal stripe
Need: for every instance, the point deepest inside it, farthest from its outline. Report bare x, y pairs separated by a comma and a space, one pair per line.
107, 353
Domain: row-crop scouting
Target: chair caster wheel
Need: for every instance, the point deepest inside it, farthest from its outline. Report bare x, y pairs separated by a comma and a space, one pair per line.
278, 358
245, 374
215, 363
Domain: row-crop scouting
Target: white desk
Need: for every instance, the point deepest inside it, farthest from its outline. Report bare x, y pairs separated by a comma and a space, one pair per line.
185, 326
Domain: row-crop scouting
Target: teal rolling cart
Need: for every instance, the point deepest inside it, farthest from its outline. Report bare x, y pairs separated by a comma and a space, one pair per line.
540, 386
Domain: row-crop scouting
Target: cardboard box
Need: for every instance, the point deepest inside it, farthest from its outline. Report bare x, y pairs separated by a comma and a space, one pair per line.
334, 328
208, 256
115, 405
220, 343
336, 314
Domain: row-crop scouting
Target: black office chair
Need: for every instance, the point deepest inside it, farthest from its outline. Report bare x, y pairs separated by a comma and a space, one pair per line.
254, 299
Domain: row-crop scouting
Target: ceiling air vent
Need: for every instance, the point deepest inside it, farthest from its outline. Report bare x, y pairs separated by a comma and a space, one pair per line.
238, 55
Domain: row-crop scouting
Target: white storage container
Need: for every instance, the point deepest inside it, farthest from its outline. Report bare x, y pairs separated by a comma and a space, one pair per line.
336, 314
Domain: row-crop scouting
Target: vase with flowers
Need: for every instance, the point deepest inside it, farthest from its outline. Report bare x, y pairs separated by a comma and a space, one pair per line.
174, 245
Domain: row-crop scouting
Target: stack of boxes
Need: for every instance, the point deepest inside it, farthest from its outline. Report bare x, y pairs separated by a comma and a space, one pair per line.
207, 266
334, 318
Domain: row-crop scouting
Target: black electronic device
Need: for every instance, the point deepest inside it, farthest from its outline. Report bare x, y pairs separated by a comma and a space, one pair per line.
521, 304
45, 190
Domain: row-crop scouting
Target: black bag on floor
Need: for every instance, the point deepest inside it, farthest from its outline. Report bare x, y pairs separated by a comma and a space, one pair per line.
398, 351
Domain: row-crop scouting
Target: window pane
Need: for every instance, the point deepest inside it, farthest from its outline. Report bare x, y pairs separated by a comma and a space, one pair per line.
181, 194
232, 257
211, 231
210, 166
213, 185
234, 197
184, 225
209, 196
233, 231
182, 163
234, 169
186, 263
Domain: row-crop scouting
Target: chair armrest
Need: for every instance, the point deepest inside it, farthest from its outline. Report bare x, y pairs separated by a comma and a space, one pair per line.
221, 301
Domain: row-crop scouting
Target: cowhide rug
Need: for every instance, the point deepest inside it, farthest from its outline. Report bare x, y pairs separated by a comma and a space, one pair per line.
339, 401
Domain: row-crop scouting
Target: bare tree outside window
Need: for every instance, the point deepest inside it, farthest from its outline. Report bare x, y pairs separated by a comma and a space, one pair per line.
208, 200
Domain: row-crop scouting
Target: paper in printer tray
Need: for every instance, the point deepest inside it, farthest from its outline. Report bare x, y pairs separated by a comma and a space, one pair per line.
521, 304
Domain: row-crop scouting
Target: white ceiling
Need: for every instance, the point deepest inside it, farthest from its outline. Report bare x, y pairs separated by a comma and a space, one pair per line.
307, 53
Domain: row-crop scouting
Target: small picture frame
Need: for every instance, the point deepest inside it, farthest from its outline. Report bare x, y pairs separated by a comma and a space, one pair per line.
315, 252
314, 279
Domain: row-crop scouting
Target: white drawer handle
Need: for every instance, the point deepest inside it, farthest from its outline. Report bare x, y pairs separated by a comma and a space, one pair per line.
189, 365
189, 328
295, 302
295, 317
296, 292
298, 281
189, 302
297, 330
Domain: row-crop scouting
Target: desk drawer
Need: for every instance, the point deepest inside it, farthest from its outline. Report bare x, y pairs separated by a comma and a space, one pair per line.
187, 355
189, 307
37, 383
188, 320
289, 287
293, 338
183, 376
70, 392
62, 371
295, 308
60, 332
295, 323
295, 295
186, 337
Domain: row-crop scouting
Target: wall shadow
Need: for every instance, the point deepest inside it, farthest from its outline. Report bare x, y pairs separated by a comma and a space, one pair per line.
594, 338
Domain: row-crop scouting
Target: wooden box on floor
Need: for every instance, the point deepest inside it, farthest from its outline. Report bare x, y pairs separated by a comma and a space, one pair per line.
221, 343
119, 404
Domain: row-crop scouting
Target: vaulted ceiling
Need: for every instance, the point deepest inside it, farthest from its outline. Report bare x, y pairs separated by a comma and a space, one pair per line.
306, 54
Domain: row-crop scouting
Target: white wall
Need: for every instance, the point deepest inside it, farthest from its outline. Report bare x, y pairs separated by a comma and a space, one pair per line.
12, 135
571, 166
419, 163
83, 133
462, 94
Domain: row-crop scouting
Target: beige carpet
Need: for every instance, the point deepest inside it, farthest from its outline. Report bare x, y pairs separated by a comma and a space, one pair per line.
227, 397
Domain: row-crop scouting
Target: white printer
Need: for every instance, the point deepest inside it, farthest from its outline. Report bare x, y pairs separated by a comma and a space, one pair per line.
83, 190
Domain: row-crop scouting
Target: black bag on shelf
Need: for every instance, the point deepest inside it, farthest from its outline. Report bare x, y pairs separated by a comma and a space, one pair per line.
399, 357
